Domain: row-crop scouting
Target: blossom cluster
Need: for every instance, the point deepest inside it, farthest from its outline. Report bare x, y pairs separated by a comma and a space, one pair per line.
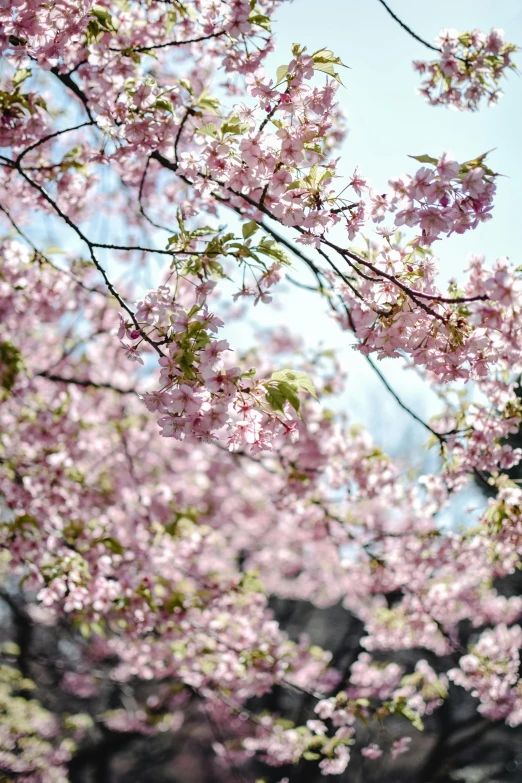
491, 672
406, 314
31, 747
469, 69
200, 393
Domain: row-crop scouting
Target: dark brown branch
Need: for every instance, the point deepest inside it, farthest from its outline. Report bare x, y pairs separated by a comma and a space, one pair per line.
90, 245
83, 382
44, 259
401, 404
51, 136
69, 82
408, 29
140, 200
138, 49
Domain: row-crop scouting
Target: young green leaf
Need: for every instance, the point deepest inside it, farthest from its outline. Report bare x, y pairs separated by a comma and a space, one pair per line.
329, 69
281, 73
300, 380
290, 394
248, 229
424, 159
21, 75
275, 398
208, 130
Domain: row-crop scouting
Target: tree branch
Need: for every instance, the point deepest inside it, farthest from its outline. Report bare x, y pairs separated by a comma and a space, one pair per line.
85, 383
408, 29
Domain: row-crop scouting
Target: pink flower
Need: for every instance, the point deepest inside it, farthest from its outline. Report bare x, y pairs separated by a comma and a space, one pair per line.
400, 746
336, 765
188, 399
371, 751
132, 353
358, 182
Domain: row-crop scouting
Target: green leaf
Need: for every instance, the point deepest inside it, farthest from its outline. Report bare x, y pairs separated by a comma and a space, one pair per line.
327, 174
250, 583
203, 231
275, 398
10, 648
233, 125
25, 520
326, 55
281, 73
21, 75
476, 163
312, 175
273, 251
260, 19
174, 601
11, 363
300, 380
248, 229
290, 394
163, 103
297, 183
329, 69
100, 12
425, 159
314, 146
187, 85
113, 544
85, 630
103, 17
324, 60
208, 130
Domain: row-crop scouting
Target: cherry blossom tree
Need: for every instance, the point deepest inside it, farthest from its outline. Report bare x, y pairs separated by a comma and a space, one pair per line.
159, 487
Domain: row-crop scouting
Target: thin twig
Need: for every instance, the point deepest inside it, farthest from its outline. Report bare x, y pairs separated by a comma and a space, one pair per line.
43, 258
51, 136
408, 29
128, 50
83, 382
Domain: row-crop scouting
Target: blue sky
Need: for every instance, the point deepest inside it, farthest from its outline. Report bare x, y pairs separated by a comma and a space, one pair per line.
387, 122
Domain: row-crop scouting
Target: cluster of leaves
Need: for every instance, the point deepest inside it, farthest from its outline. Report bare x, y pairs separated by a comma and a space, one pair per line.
204, 263
14, 103
285, 385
